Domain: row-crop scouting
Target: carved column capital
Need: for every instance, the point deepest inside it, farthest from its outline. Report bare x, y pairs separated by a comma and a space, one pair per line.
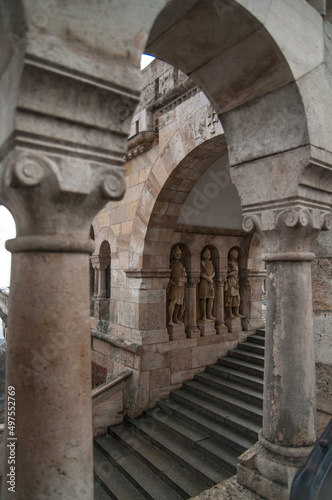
193, 279
53, 198
288, 233
221, 277
100, 261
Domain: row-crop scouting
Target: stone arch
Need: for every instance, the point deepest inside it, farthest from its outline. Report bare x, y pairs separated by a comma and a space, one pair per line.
104, 234
169, 183
266, 63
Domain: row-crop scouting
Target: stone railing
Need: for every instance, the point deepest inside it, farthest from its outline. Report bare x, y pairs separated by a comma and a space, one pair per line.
108, 403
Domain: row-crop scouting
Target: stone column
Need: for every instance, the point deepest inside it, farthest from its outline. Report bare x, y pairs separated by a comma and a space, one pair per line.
251, 299
289, 410
102, 265
48, 351
191, 330
94, 261
101, 302
220, 303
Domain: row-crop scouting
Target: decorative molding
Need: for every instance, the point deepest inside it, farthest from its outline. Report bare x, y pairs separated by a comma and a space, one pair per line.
297, 216
174, 97
51, 66
140, 143
169, 103
148, 273
49, 145
183, 228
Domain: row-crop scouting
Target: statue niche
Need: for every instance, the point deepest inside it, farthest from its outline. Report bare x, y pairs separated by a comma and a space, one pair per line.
232, 287
175, 289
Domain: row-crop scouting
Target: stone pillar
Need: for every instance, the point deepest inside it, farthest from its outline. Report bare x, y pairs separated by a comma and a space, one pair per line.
191, 329
220, 303
251, 299
289, 410
48, 352
101, 266
93, 259
101, 302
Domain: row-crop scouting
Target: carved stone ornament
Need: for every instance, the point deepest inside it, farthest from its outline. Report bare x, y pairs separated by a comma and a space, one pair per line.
114, 185
288, 234
139, 143
292, 217
68, 191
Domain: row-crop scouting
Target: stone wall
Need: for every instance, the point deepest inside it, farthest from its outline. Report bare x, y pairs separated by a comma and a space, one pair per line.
158, 368
99, 375
322, 306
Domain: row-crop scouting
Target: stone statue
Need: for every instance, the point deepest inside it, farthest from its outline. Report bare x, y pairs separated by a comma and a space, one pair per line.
232, 287
175, 288
206, 286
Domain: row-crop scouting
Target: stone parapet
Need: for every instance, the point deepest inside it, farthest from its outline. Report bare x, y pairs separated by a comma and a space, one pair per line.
160, 367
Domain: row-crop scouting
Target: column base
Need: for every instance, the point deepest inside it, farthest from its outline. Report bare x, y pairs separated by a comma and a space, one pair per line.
233, 325
269, 473
176, 332
206, 327
221, 329
193, 332
102, 309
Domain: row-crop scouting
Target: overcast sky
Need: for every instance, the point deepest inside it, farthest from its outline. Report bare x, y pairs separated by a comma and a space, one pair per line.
7, 231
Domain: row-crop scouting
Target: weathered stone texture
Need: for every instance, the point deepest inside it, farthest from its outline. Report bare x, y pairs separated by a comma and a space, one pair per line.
323, 387
322, 284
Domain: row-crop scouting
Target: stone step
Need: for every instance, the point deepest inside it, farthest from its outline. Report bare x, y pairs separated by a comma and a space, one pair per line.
260, 332
175, 415
242, 366
233, 388
227, 457
215, 411
164, 466
253, 358
251, 347
105, 472
224, 455
98, 492
245, 379
241, 407
256, 339
194, 461
149, 485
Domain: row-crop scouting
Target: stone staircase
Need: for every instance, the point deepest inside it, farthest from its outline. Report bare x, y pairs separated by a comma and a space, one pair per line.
190, 441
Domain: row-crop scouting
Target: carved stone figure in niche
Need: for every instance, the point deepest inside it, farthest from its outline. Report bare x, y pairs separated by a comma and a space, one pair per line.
232, 287
206, 286
175, 288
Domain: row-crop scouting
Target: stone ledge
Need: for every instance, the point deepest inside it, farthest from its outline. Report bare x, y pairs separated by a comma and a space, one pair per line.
228, 490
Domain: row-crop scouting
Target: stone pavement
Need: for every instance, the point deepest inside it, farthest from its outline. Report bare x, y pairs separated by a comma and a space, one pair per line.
228, 490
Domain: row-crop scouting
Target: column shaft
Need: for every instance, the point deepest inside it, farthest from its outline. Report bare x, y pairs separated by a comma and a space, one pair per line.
289, 407
95, 283
220, 305
101, 282
192, 330
48, 364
